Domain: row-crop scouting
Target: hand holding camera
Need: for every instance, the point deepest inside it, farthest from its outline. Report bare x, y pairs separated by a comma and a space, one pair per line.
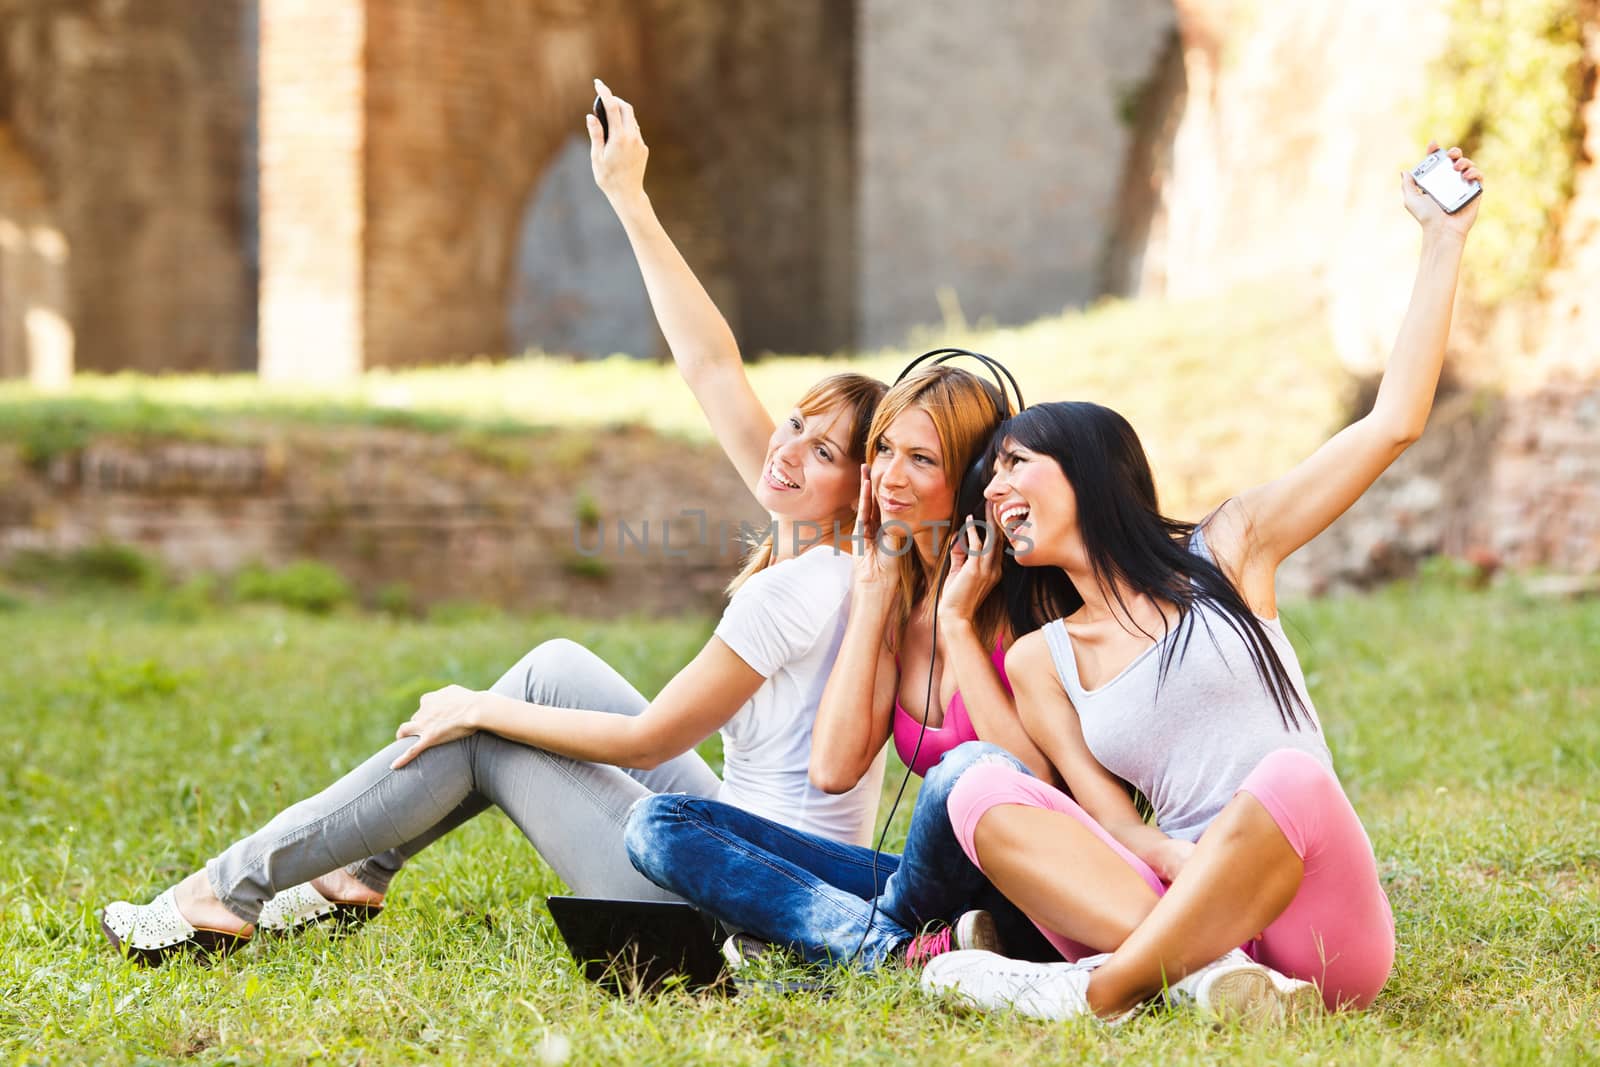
617, 152
1443, 190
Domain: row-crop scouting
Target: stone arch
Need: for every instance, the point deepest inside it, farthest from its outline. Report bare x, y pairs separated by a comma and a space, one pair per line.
462, 114
572, 286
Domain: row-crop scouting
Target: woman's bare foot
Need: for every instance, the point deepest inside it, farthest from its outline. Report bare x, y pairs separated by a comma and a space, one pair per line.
200, 906
343, 886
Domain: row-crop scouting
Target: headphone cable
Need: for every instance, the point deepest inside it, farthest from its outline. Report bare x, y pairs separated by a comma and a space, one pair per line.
922, 731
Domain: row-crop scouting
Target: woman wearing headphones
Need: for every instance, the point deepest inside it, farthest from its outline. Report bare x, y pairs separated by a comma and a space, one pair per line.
922, 661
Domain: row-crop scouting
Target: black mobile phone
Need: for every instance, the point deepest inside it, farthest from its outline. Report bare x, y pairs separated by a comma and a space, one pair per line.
600, 113
1439, 178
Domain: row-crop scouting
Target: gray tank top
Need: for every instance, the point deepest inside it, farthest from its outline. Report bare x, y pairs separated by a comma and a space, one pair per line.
1188, 744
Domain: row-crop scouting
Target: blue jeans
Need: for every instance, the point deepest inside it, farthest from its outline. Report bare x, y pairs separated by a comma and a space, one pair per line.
815, 894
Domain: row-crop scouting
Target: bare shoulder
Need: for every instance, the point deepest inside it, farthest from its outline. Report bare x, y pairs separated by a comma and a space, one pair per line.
1028, 658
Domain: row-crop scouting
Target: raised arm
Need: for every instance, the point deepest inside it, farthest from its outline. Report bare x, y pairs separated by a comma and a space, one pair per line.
1261, 527
1050, 719
701, 342
699, 699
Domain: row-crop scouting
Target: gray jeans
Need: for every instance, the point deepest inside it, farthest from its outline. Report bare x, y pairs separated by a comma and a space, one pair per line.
374, 819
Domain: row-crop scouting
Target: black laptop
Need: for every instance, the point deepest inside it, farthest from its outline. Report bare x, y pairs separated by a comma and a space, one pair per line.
642, 946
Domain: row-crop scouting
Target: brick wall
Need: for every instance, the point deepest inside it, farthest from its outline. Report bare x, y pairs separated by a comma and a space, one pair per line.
467, 104
134, 116
527, 523
748, 109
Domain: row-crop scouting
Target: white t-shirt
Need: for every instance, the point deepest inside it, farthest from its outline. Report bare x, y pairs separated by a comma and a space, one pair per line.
786, 622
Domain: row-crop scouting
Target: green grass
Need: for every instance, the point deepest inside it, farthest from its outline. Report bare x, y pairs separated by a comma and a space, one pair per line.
1245, 384
135, 744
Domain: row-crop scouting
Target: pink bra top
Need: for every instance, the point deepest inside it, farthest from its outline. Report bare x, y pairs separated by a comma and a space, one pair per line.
937, 740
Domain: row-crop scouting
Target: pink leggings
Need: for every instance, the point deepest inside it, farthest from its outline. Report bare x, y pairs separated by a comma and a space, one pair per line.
1337, 931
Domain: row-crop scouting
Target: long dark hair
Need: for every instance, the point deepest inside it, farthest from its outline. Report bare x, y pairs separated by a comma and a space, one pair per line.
1128, 542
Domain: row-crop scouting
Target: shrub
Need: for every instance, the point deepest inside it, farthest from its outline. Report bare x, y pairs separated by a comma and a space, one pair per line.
395, 598
1508, 88
191, 601
585, 509
113, 564
306, 585
1451, 572
95, 565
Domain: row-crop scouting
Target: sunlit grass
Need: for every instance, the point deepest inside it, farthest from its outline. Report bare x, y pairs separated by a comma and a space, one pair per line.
138, 741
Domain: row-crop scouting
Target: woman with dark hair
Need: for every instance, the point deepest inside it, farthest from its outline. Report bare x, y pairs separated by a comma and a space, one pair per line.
1169, 669
920, 663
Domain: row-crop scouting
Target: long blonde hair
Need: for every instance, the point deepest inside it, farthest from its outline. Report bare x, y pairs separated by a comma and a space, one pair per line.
860, 395
965, 411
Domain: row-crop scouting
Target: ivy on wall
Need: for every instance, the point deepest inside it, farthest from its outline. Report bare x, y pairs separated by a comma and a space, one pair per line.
1508, 89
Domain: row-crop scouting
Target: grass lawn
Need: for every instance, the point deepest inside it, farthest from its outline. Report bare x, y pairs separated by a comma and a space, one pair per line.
139, 736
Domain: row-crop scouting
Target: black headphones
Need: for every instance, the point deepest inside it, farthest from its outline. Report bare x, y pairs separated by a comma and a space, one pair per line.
969, 503
997, 370
969, 494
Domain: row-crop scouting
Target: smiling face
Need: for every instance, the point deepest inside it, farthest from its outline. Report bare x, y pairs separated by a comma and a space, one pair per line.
808, 474
908, 475
1034, 503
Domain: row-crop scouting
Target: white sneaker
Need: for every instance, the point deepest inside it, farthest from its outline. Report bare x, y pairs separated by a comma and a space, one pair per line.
741, 950
994, 983
1299, 999
1232, 987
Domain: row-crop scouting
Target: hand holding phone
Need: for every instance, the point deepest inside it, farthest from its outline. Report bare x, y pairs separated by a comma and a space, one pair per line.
1438, 177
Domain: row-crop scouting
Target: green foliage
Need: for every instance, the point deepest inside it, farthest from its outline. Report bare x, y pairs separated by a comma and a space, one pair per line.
190, 601
463, 612
47, 427
499, 447
395, 598
585, 510
103, 564
1465, 724
591, 567
1450, 572
1508, 89
123, 681
308, 585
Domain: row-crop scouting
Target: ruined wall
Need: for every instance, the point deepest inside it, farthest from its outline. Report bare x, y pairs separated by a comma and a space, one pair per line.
467, 103
757, 105
527, 523
1506, 475
1292, 123
993, 140
747, 109
134, 117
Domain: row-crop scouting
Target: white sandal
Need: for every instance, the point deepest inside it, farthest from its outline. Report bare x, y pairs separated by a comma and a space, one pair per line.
301, 906
152, 933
